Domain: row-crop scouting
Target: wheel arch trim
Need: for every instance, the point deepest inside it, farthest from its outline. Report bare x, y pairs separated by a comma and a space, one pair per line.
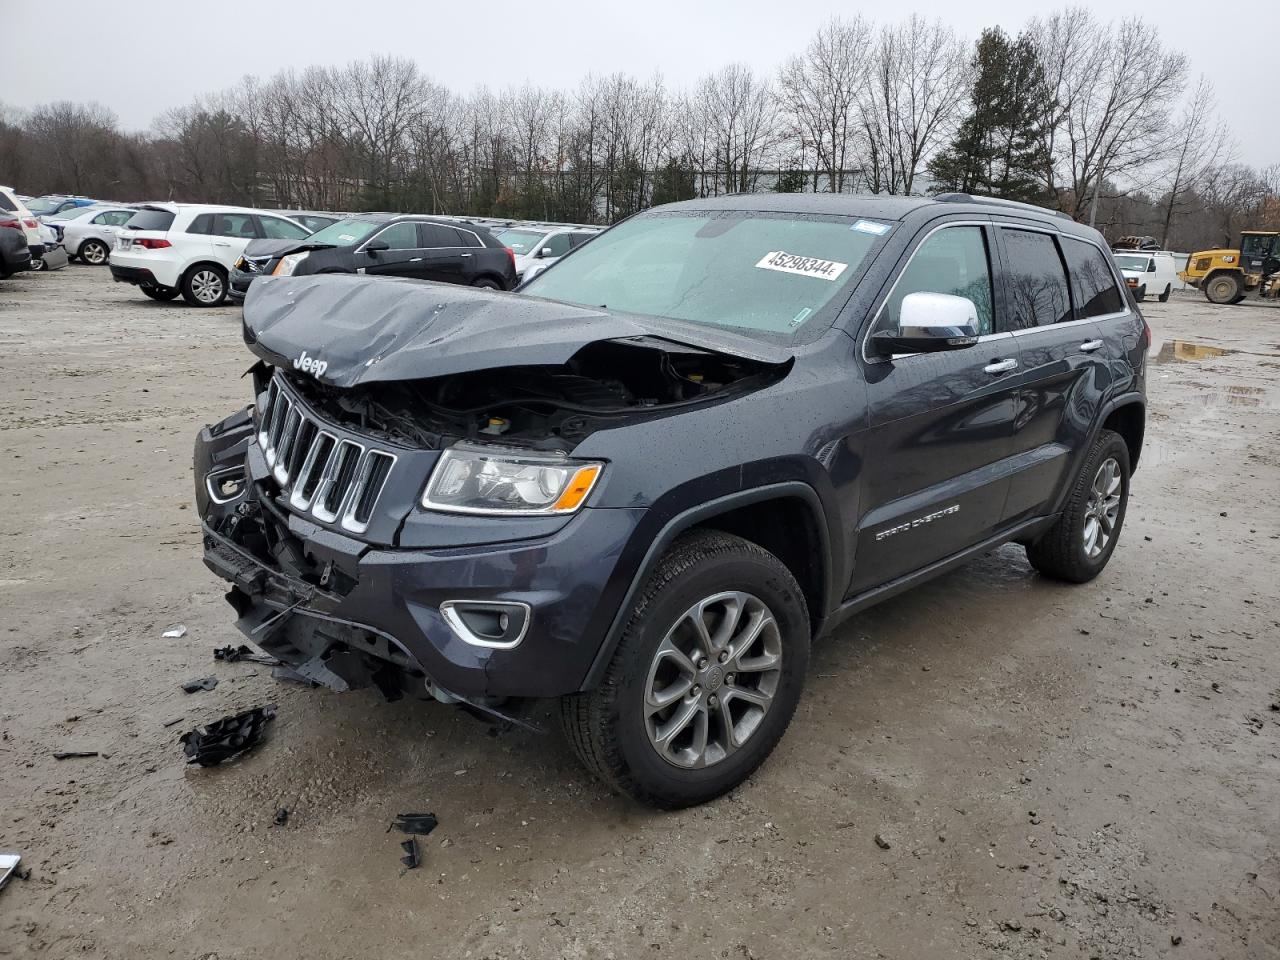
691, 517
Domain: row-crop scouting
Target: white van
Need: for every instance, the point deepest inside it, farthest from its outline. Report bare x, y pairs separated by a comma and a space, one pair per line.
1149, 271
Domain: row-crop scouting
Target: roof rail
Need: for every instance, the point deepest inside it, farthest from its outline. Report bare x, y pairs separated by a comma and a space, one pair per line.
1000, 202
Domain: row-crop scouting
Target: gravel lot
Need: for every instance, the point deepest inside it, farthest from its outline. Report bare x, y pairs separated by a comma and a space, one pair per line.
1058, 771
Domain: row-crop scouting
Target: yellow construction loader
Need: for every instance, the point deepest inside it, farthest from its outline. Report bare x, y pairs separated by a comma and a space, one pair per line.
1228, 276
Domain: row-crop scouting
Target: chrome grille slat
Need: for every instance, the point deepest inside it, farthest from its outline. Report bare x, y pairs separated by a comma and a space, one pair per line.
335, 479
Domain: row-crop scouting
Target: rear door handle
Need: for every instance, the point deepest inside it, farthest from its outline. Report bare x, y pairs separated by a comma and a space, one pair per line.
465, 254
1091, 345
1001, 366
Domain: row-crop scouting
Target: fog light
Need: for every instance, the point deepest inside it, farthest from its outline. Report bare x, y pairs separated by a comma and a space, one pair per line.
499, 625
225, 485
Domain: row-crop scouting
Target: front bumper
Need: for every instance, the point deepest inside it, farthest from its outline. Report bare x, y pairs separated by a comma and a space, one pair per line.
351, 614
238, 284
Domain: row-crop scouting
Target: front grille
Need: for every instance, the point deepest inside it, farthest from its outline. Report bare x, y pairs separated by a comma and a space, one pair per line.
334, 479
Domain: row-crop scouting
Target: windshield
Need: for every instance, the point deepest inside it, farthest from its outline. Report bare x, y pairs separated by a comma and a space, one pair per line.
521, 241
770, 272
43, 205
345, 233
1136, 264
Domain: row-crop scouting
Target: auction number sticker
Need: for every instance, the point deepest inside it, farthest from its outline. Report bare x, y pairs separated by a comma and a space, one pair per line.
785, 262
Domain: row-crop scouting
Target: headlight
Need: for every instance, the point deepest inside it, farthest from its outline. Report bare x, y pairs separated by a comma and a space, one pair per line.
288, 264
499, 480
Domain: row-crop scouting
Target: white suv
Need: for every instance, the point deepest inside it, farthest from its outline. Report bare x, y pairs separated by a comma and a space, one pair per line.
188, 248
538, 246
14, 213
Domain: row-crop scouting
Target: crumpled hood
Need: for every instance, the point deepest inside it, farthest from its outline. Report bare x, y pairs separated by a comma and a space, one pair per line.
348, 330
271, 248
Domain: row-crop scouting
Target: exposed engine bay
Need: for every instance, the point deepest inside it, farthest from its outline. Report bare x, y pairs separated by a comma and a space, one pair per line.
605, 384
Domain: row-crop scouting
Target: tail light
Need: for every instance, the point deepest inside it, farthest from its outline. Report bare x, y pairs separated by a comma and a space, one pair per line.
511, 255
15, 223
1146, 334
31, 223
151, 244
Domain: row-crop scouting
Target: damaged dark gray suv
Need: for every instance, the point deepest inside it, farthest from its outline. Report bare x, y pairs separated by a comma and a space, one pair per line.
641, 487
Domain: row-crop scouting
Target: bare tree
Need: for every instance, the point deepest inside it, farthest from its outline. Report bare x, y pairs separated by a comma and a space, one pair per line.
920, 79
1112, 86
1202, 143
78, 141
740, 113
820, 89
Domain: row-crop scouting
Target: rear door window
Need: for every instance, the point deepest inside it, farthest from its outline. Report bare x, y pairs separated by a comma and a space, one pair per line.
1095, 285
954, 261
437, 236
557, 246
1035, 280
150, 220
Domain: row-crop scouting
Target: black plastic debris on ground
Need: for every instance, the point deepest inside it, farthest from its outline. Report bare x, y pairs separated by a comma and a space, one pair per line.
411, 860
290, 675
211, 744
201, 683
242, 653
282, 816
74, 754
416, 823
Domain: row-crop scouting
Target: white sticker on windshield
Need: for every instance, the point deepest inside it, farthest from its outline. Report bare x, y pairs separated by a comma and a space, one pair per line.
804, 266
871, 227
347, 237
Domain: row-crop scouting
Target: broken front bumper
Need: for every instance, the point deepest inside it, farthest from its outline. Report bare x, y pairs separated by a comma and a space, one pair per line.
350, 614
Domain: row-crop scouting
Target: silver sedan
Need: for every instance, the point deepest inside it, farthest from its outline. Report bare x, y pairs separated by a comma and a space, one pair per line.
90, 232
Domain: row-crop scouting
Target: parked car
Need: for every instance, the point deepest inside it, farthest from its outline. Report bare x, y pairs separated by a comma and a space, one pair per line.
793, 406
52, 255
313, 220
542, 246
89, 233
1153, 271
171, 248
51, 206
14, 213
387, 244
15, 254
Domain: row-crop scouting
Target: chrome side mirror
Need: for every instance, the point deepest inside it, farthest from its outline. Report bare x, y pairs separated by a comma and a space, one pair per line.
930, 323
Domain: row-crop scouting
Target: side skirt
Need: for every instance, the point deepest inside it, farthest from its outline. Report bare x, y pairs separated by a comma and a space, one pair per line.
1025, 531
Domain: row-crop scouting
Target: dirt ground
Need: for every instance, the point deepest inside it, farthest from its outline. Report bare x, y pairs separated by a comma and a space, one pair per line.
1084, 771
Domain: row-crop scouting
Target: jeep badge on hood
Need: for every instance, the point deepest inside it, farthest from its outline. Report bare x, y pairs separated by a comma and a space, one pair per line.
310, 365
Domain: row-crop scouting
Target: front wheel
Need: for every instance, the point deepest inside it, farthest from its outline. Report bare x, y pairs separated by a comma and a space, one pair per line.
705, 678
204, 285
1164, 297
1224, 288
484, 283
1078, 546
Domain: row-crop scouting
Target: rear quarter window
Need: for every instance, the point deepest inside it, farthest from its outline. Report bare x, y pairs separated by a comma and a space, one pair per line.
1091, 276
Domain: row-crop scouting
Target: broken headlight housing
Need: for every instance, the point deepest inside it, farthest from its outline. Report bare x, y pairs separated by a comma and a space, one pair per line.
288, 264
501, 480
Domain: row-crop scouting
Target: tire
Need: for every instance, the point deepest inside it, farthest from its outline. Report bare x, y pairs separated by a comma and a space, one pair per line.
1164, 297
613, 729
38, 264
93, 252
1224, 288
1140, 294
484, 283
204, 285
1066, 551
160, 293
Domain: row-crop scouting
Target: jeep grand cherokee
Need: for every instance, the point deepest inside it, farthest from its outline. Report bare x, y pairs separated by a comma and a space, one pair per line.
715, 432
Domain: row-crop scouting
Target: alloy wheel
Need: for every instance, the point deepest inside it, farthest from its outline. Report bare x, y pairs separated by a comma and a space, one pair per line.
206, 286
712, 680
94, 254
1103, 508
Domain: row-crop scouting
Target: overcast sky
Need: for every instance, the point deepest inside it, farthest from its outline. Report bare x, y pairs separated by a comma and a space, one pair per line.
140, 56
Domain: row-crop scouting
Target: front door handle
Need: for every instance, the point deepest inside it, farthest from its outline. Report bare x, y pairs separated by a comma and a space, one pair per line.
1001, 366
1090, 345
464, 254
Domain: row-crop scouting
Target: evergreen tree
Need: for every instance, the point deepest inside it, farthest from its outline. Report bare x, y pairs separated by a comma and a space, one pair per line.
999, 147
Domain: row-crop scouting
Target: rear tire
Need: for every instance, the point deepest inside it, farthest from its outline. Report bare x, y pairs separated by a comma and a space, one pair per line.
1224, 288
94, 252
160, 293
204, 285
1078, 546
685, 713
484, 283
1164, 297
